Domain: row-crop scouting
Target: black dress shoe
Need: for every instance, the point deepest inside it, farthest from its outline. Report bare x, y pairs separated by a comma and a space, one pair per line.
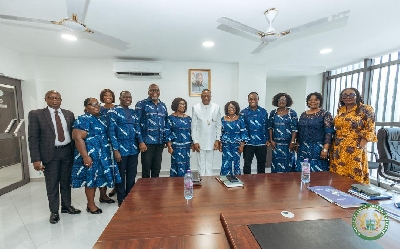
54, 217
106, 201
70, 210
119, 203
98, 211
111, 194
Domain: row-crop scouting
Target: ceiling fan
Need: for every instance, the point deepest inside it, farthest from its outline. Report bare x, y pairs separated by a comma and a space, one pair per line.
271, 35
76, 11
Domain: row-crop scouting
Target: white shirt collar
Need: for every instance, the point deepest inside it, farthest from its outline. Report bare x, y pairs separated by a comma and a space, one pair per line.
201, 103
52, 110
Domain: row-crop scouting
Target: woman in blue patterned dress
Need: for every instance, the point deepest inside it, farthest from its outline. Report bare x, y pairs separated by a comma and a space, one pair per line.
108, 98
282, 126
179, 139
233, 138
315, 135
92, 166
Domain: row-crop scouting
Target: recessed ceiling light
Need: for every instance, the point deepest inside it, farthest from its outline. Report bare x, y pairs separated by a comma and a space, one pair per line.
68, 37
208, 44
325, 51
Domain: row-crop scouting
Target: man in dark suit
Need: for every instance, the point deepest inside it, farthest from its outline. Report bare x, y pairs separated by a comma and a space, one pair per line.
51, 149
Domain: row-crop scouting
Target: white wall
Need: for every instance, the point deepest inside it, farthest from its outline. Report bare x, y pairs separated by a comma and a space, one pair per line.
252, 78
11, 64
314, 83
77, 79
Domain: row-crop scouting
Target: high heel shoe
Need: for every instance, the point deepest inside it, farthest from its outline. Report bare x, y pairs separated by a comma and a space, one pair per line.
98, 211
106, 201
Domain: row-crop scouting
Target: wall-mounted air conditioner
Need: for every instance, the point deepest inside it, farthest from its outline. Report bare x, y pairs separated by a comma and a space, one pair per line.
131, 70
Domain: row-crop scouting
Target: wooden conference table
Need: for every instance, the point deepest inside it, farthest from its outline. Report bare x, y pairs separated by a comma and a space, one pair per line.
156, 215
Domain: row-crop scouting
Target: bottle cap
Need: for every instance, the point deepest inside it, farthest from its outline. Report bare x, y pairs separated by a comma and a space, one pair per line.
189, 171
305, 159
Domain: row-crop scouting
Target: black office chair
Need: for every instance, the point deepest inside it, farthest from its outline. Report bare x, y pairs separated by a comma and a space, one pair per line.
389, 153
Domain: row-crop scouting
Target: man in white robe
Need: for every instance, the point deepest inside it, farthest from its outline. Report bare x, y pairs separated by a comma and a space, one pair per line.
206, 132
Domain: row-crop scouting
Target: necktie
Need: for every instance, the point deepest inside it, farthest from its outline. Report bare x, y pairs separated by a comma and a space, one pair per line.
60, 130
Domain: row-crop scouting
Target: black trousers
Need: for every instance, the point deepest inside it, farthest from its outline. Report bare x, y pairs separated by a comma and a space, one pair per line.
57, 175
151, 160
128, 170
261, 155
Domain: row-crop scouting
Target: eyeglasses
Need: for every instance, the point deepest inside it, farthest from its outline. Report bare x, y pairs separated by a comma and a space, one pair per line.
53, 98
281, 100
231, 107
348, 96
154, 90
182, 104
126, 97
94, 104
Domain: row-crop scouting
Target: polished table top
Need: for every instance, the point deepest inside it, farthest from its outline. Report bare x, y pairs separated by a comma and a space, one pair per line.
156, 215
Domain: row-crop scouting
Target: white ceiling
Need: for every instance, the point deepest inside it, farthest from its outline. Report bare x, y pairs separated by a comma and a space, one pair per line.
174, 31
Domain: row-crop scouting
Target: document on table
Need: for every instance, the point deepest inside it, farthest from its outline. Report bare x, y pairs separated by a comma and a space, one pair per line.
229, 184
337, 197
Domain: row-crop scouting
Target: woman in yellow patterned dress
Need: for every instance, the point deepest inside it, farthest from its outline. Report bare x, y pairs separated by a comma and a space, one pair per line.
354, 127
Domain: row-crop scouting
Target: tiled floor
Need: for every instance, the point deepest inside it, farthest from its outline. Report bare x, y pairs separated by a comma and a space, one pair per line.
24, 220
10, 174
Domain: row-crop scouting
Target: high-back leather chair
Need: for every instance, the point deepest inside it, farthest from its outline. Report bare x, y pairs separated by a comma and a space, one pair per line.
389, 153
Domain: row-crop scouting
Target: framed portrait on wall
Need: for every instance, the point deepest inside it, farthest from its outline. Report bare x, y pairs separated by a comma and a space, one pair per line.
199, 79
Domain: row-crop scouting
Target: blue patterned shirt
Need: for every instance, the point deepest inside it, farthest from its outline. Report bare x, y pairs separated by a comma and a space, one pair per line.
283, 126
152, 119
233, 132
104, 111
178, 130
256, 122
124, 133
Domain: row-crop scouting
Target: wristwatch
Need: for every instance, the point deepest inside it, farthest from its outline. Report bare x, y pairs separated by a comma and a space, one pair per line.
325, 150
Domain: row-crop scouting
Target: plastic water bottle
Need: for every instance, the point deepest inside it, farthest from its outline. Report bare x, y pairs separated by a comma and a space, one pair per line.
305, 171
188, 185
